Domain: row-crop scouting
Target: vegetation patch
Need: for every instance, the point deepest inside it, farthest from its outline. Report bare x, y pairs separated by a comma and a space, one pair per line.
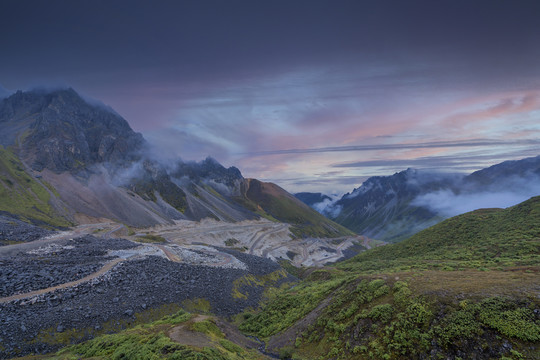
22, 195
383, 319
197, 305
150, 341
231, 242
243, 285
498, 239
207, 327
149, 238
469, 291
168, 313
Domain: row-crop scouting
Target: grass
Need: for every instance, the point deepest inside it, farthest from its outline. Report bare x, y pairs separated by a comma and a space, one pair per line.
482, 239
150, 341
149, 238
70, 336
197, 305
231, 242
388, 319
464, 286
244, 284
274, 203
22, 195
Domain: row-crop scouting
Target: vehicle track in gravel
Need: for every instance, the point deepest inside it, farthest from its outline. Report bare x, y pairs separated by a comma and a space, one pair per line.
108, 266
264, 234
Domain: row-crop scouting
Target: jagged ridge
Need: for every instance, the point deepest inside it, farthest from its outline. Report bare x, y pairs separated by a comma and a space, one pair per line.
98, 167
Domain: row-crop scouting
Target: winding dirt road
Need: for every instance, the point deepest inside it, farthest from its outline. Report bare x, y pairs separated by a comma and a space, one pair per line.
108, 266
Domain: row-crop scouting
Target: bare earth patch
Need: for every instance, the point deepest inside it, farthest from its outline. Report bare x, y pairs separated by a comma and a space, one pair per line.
183, 335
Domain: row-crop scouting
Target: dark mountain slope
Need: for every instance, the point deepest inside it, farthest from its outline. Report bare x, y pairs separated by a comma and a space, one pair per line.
85, 163
62, 132
382, 207
392, 208
270, 199
311, 199
494, 176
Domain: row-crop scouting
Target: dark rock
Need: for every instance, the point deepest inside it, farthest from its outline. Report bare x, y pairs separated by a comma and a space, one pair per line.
115, 295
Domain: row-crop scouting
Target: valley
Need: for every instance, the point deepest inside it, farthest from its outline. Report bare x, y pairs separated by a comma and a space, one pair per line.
109, 253
61, 290
67, 284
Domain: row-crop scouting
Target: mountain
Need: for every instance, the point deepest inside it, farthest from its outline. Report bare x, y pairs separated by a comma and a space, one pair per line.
514, 170
464, 288
311, 199
392, 208
284, 207
382, 208
485, 238
66, 160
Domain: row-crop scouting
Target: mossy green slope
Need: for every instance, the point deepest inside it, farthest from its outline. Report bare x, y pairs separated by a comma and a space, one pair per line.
486, 238
271, 201
374, 307
151, 341
22, 195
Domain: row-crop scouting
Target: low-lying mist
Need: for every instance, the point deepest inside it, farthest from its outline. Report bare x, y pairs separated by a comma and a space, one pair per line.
502, 193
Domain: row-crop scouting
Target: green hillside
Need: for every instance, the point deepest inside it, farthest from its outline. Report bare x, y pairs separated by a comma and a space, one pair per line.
464, 289
24, 196
486, 238
271, 201
151, 341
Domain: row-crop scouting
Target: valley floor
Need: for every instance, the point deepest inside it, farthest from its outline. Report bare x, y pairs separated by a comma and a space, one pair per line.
96, 278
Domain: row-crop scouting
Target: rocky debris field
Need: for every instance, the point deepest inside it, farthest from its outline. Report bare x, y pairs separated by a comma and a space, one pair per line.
207, 256
55, 264
43, 323
256, 265
13, 231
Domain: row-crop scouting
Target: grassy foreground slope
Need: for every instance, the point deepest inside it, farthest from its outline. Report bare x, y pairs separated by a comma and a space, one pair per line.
468, 288
162, 339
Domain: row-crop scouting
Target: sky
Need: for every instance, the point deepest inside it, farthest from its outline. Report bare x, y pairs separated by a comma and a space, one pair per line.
312, 95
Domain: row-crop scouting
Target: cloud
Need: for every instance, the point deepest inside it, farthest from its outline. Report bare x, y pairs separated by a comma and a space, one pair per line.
448, 204
5, 92
443, 161
328, 207
174, 144
500, 194
402, 146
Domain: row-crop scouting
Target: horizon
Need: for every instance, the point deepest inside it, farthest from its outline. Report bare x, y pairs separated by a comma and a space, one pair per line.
314, 96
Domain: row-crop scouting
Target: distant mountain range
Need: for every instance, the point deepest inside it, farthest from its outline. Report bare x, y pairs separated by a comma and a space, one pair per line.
65, 160
393, 208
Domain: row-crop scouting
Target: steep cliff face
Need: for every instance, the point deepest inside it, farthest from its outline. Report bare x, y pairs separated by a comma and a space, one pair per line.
61, 131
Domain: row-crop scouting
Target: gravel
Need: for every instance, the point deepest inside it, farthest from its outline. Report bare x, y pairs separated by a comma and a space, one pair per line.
55, 264
116, 297
13, 231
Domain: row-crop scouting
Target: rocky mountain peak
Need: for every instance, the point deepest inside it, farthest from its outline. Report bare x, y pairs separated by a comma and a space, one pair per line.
61, 131
209, 169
